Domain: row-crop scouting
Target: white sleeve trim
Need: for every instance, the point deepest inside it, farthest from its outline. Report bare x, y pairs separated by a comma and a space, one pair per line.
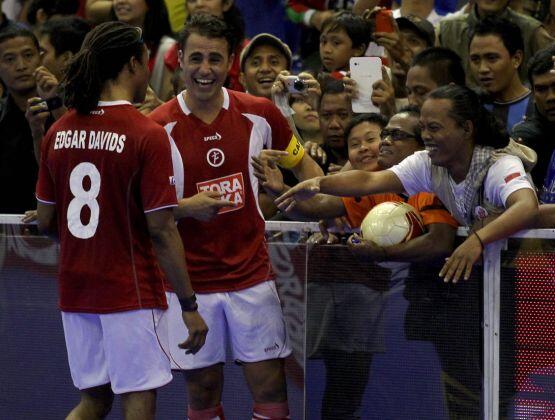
45, 201
160, 208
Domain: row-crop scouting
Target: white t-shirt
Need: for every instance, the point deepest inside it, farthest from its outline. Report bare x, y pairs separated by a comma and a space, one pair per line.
504, 177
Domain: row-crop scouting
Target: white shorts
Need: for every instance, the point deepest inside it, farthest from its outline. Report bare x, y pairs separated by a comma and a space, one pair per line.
252, 319
125, 349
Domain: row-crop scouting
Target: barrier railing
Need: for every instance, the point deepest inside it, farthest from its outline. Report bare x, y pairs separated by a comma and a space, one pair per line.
378, 341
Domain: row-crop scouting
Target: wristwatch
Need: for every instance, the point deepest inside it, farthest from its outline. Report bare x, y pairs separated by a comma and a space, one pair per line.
189, 304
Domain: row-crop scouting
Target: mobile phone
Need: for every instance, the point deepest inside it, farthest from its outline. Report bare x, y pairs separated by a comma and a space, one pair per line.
365, 71
383, 21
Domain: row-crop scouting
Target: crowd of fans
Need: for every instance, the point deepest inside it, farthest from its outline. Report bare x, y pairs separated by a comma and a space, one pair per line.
469, 86
502, 50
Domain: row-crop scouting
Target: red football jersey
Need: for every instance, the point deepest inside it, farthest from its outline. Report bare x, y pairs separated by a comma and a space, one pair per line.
103, 172
229, 252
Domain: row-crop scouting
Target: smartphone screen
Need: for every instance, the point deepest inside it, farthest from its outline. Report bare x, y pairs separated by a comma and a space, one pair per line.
365, 71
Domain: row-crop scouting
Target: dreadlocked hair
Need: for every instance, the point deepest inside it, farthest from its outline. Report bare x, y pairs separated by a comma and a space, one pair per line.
105, 51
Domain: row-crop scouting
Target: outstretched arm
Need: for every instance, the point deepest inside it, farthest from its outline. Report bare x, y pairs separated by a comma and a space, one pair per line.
344, 184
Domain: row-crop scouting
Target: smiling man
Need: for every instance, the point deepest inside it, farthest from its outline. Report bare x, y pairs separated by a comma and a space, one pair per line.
19, 57
261, 62
496, 51
214, 133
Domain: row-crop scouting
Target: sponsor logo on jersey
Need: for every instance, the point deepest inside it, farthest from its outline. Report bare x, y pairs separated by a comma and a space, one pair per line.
215, 157
99, 112
231, 187
215, 137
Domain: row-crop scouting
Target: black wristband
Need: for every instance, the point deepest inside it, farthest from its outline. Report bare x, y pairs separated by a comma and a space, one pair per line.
189, 304
54, 103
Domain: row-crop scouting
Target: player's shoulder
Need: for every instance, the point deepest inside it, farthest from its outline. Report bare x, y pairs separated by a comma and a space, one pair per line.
165, 112
251, 104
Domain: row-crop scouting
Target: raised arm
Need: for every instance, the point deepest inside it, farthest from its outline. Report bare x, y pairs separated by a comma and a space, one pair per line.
271, 179
307, 168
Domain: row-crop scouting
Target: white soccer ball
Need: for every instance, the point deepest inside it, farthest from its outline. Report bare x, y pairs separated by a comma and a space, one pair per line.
391, 223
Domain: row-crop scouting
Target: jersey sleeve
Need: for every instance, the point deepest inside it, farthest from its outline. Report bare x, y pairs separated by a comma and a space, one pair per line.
432, 210
283, 138
45, 189
504, 177
414, 173
157, 180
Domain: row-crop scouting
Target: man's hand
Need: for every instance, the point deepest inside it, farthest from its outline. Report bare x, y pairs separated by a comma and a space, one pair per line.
197, 332
318, 238
461, 260
313, 90
204, 206
30, 216
300, 192
269, 175
36, 115
365, 249
383, 95
47, 84
315, 152
351, 88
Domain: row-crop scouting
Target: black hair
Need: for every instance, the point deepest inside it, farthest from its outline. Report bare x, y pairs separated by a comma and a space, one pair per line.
330, 86
156, 24
17, 31
50, 8
357, 28
540, 63
373, 118
466, 106
105, 51
444, 65
509, 32
414, 112
66, 33
207, 26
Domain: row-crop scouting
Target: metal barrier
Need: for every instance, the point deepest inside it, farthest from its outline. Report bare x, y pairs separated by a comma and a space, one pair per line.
419, 367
